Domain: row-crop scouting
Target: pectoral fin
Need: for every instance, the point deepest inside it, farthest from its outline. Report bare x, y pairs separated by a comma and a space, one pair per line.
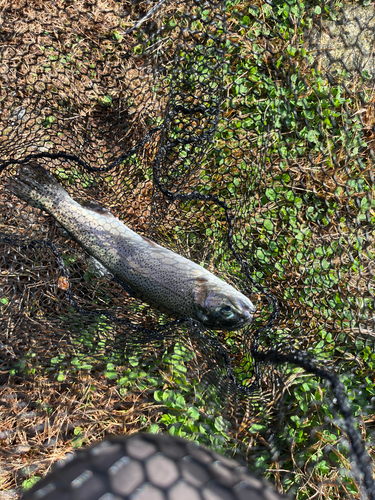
200, 292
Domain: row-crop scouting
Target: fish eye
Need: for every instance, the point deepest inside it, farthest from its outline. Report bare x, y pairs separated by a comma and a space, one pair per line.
226, 311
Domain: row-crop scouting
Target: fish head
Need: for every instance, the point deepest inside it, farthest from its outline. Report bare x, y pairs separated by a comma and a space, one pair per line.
218, 305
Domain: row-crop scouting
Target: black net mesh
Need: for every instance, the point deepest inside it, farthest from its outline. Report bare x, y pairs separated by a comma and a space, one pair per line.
152, 467
241, 137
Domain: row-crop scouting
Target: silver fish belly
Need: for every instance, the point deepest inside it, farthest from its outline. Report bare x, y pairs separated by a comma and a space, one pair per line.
158, 276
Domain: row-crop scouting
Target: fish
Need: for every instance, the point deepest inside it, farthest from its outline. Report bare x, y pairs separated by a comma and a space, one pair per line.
148, 271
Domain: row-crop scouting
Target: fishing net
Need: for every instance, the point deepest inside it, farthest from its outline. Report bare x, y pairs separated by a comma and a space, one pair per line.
152, 467
240, 136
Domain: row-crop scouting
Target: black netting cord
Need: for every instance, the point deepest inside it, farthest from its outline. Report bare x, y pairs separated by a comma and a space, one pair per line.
154, 334
297, 358
79, 161
363, 459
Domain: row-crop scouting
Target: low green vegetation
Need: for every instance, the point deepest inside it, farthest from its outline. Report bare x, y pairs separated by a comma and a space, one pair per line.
291, 158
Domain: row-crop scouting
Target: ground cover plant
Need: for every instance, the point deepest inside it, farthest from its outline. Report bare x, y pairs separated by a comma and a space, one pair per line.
280, 137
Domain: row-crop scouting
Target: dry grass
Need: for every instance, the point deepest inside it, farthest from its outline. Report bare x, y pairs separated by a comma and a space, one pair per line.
49, 49
42, 420
79, 55
80, 61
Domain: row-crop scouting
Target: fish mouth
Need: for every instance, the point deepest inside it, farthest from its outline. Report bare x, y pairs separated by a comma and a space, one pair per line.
242, 321
248, 317
247, 308
246, 314
246, 320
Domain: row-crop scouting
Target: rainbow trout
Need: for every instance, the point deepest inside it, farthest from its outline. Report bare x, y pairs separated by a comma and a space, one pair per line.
148, 271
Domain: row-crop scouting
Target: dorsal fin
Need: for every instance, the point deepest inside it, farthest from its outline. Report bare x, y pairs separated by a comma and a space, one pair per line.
148, 241
90, 205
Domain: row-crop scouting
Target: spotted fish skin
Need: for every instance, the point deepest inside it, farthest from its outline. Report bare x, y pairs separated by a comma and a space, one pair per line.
158, 276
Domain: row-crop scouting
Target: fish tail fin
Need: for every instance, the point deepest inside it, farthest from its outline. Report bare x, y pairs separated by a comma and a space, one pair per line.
35, 185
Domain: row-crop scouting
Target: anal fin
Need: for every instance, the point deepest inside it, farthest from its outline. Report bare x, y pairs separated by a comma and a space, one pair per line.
126, 288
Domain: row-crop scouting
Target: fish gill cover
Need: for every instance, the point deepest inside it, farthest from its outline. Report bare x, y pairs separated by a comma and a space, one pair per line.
240, 136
